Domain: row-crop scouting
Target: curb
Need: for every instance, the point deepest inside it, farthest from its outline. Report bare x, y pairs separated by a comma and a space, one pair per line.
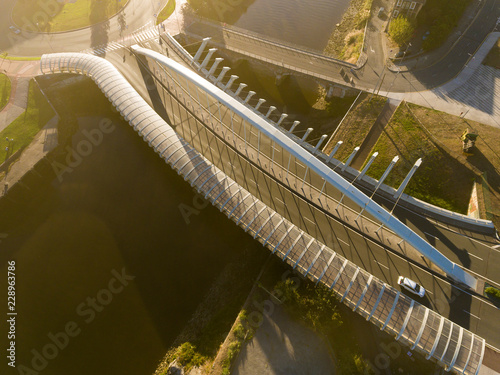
397, 68
69, 31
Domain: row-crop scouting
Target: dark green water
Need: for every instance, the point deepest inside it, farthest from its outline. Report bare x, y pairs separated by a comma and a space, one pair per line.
116, 212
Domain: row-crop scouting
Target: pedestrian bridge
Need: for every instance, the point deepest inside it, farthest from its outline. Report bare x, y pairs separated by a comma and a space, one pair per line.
411, 323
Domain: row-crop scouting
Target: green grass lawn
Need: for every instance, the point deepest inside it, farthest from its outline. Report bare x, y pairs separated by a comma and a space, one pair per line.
356, 125
441, 180
166, 11
5, 87
23, 129
6, 56
66, 17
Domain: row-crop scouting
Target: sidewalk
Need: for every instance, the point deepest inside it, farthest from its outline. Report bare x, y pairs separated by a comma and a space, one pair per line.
422, 60
470, 95
44, 142
20, 73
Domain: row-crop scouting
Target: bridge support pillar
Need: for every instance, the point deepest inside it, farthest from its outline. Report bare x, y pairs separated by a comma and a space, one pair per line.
321, 140
207, 58
308, 131
365, 169
200, 50
240, 88
271, 109
335, 149
249, 96
216, 63
222, 74
295, 123
261, 101
349, 159
230, 82
283, 116
401, 188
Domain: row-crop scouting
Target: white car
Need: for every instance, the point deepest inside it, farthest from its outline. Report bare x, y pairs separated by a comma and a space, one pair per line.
411, 286
14, 29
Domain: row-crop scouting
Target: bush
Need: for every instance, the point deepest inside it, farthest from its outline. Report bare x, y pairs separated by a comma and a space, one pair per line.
494, 292
401, 30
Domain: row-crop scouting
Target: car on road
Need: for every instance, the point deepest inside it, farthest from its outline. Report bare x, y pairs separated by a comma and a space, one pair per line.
14, 29
411, 286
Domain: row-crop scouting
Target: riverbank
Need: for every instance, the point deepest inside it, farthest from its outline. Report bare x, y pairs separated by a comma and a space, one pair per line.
346, 40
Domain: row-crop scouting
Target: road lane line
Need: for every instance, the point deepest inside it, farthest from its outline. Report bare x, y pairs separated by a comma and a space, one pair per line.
340, 240
467, 312
279, 200
432, 236
475, 256
310, 220
380, 264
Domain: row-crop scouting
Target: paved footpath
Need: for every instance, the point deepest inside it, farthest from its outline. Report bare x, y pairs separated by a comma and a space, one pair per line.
44, 142
472, 94
20, 73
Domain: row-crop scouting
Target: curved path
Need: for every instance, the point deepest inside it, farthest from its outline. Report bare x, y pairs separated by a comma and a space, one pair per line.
136, 14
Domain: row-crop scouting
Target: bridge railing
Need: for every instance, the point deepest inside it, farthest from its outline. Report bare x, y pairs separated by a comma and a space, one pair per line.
221, 108
408, 321
267, 40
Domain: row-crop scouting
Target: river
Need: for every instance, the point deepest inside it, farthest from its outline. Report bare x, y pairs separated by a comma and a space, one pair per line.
304, 22
108, 271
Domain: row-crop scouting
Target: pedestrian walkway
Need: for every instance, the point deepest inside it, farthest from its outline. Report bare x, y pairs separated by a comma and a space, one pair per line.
472, 94
44, 142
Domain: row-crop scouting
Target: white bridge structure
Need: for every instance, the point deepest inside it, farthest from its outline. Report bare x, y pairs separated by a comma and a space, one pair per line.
263, 142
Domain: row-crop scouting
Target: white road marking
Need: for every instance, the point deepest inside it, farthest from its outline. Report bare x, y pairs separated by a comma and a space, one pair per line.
380, 264
467, 312
432, 236
475, 256
340, 240
279, 200
309, 220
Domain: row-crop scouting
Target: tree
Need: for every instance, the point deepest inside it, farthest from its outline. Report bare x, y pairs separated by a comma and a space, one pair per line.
401, 29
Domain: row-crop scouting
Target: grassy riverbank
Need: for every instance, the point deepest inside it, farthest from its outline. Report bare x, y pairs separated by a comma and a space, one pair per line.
346, 41
5, 87
166, 12
57, 17
23, 129
354, 345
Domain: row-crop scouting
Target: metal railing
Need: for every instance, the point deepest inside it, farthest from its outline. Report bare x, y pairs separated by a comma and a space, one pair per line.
408, 321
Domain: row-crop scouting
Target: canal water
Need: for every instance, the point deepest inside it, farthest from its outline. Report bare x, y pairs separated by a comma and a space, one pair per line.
303, 22
108, 271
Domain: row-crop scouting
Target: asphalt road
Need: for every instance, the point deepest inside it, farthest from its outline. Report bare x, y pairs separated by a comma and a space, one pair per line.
136, 14
468, 310
374, 74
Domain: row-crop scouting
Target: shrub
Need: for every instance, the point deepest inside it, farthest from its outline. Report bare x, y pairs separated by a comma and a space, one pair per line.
494, 292
401, 30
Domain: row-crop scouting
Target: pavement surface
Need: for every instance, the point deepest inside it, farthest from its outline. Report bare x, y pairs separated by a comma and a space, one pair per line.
44, 142
136, 14
281, 345
376, 74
